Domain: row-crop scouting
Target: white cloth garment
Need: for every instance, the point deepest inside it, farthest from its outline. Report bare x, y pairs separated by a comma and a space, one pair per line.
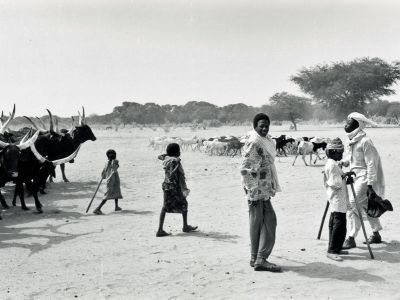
366, 163
335, 187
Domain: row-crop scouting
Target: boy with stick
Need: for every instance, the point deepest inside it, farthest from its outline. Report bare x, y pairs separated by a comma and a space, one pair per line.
110, 174
335, 184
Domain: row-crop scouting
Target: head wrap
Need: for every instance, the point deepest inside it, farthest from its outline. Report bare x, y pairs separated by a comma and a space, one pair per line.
362, 120
258, 117
173, 149
335, 144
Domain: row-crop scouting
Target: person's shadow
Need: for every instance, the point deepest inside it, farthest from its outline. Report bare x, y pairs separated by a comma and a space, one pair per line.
216, 236
323, 270
386, 251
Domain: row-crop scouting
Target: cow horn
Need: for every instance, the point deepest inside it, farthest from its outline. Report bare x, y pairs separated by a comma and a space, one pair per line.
29, 142
56, 124
5, 125
3, 144
83, 115
72, 126
51, 121
34, 125
66, 159
24, 139
80, 118
38, 156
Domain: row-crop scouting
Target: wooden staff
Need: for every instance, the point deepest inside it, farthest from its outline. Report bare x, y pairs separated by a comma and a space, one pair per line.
361, 220
323, 220
98, 186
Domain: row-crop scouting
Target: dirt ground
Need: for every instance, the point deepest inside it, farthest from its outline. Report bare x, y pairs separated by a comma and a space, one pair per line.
67, 254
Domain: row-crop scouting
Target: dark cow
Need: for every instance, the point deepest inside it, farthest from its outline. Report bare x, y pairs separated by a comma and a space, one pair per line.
33, 170
55, 146
9, 156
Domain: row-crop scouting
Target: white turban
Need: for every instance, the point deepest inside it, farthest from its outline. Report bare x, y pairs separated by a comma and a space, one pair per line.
362, 120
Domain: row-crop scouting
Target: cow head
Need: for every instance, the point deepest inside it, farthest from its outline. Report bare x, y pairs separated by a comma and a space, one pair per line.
83, 132
9, 157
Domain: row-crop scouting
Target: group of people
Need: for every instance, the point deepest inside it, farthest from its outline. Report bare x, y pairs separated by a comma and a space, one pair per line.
260, 183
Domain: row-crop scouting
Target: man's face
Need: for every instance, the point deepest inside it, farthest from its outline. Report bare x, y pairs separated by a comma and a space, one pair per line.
351, 125
262, 127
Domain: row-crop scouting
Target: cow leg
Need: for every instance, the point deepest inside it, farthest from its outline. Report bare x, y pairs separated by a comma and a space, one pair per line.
317, 157
14, 201
19, 190
62, 167
33, 187
3, 201
304, 159
295, 159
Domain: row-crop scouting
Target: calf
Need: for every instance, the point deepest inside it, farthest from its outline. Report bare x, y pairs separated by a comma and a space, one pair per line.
309, 148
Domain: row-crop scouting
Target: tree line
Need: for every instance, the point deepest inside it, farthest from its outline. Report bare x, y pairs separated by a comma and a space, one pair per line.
331, 92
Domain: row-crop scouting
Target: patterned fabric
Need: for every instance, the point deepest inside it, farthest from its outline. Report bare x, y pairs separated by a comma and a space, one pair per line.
335, 187
259, 177
174, 185
110, 174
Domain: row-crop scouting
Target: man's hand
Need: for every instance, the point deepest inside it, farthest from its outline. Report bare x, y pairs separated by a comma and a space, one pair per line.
343, 163
348, 176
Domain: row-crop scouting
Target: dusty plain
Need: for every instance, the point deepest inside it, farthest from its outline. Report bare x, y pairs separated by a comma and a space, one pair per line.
65, 253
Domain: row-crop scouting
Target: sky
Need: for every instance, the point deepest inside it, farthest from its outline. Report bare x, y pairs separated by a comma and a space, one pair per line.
64, 54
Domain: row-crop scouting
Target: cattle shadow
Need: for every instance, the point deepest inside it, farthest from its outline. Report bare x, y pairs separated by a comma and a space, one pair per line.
213, 235
69, 190
322, 270
17, 225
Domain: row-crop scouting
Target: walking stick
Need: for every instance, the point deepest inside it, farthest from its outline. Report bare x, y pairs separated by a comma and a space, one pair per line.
98, 186
323, 220
361, 220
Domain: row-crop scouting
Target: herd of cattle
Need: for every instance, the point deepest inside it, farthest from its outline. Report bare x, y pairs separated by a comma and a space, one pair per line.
231, 145
29, 156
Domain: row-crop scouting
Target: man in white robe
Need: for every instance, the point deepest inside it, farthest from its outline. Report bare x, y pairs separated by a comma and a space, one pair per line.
365, 161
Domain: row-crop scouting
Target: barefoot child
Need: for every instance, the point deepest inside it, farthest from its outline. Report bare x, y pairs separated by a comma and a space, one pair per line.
175, 189
335, 184
110, 174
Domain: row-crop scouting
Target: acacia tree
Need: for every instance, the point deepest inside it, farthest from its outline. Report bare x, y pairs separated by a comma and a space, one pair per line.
346, 86
285, 106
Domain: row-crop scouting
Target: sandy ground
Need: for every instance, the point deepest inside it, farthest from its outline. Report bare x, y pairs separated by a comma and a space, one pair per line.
67, 254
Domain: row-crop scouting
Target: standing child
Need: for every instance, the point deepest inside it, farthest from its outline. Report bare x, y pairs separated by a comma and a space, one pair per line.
110, 174
335, 184
175, 189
